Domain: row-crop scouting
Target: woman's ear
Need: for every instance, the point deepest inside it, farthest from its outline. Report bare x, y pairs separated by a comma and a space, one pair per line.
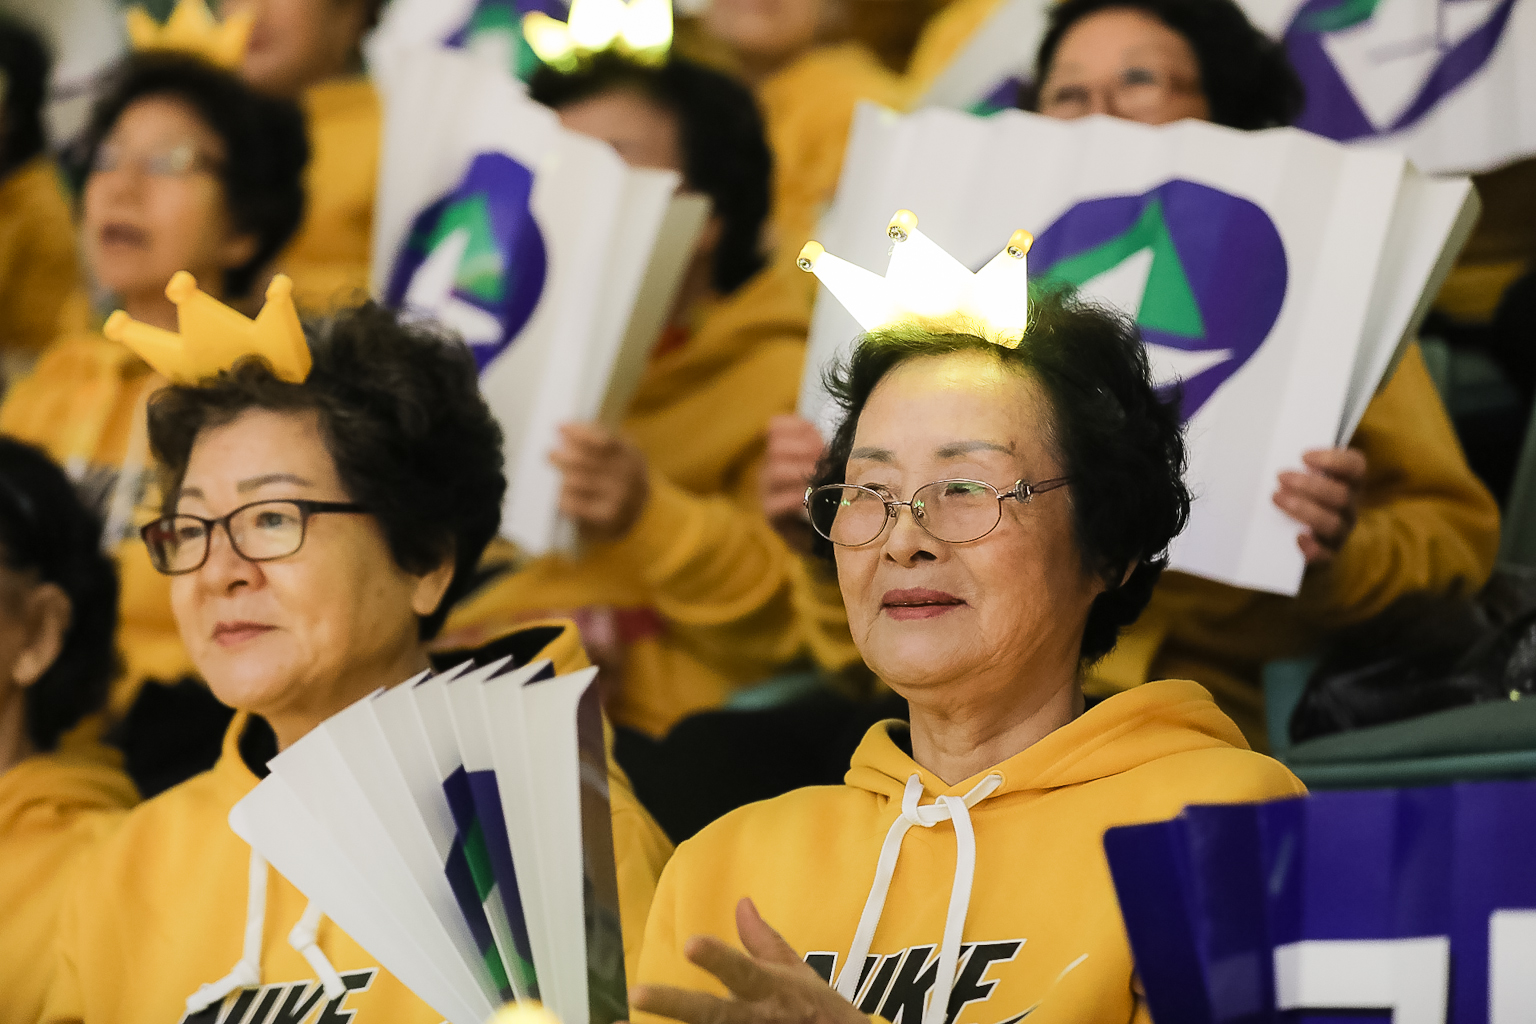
47, 613
1129, 571
431, 587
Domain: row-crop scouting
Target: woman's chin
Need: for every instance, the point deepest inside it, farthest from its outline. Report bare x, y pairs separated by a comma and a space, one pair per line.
250, 682
914, 658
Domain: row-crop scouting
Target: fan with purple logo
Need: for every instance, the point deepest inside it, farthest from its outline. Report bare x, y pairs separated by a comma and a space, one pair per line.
497, 25
1203, 271
475, 259
1376, 67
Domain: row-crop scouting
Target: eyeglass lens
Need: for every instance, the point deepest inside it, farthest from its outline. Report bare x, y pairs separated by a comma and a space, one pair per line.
953, 511
261, 532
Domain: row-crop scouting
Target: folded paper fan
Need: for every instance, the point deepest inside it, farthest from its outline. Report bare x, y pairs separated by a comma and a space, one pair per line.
447, 826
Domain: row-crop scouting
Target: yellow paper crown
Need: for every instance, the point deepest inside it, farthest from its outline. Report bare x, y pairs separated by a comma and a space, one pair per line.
640, 30
193, 29
925, 285
214, 337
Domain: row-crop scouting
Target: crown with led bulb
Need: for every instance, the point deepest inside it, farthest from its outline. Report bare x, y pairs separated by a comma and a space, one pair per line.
214, 337
927, 287
193, 29
640, 30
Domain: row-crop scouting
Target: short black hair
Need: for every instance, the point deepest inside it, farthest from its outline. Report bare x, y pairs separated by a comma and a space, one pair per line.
725, 148
1245, 75
47, 531
1118, 440
401, 412
26, 64
266, 146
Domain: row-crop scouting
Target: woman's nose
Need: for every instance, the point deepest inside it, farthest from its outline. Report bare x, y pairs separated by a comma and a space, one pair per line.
907, 542
1101, 100
225, 568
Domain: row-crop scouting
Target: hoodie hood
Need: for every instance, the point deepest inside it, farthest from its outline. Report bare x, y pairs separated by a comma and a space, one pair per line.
1124, 732
83, 778
1118, 734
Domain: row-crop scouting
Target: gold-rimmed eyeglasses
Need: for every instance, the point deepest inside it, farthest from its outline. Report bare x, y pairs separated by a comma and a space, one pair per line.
259, 532
952, 511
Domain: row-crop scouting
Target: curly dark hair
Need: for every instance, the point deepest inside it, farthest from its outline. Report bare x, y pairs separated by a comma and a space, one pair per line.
266, 146
401, 413
1117, 439
46, 531
725, 150
1245, 75
26, 63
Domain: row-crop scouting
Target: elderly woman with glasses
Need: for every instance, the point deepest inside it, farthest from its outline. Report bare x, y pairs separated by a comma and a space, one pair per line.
315, 535
996, 516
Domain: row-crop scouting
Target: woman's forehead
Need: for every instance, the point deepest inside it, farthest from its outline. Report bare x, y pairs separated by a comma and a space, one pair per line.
965, 403
165, 118
260, 444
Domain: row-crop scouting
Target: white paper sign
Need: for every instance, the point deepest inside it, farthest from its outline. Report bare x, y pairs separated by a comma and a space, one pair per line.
1250, 260
532, 242
1449, 83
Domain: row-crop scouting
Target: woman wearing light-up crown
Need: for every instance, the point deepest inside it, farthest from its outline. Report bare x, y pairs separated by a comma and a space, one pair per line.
1396, 511
998, 500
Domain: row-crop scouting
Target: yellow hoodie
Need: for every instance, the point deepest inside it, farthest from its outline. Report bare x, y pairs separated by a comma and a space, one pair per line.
328, 259
38, 273
808, 111
53, 808
161, 909
1024, 921
698, 597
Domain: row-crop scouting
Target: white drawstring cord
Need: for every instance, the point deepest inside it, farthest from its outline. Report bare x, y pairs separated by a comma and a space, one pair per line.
946, 808
247, 970
302, 938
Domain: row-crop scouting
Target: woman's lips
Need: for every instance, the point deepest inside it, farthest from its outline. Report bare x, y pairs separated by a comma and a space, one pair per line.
919, 603
231, 634
123, 234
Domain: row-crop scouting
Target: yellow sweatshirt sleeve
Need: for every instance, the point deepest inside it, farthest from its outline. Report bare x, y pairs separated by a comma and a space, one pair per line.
38, 270
942, 39
710, 560
1425, 520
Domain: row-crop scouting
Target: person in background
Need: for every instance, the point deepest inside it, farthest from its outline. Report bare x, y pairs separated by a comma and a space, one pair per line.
61, 789
38, 272
187, 168
680, 586
995, 516
1398, 510
310, 51
315, 533
808, 76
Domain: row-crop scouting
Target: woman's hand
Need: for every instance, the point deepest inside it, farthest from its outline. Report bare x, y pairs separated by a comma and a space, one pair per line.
604, 483
1325, 498
794, 448
769, 983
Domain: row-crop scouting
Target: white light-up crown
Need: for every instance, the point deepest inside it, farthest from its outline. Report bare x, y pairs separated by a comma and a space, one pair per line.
926, 286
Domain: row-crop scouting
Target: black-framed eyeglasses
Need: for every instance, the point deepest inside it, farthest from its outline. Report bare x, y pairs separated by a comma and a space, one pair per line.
952, 511
259, 532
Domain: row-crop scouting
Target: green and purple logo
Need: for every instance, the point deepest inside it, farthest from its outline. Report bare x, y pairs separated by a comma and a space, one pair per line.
1375, 67
1203, 271
475, 260
495, 28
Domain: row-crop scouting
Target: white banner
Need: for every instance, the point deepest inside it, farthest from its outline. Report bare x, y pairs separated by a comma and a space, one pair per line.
534, 243
1253, 262
1452, 85
491, 30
